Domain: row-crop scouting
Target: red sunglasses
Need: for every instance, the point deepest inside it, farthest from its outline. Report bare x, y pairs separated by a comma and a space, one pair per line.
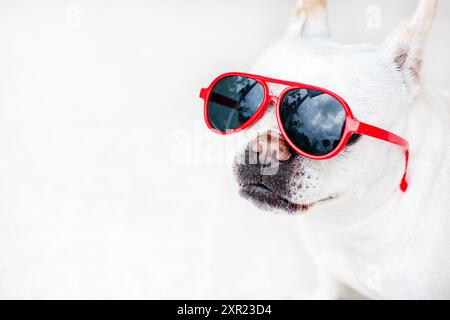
315, 122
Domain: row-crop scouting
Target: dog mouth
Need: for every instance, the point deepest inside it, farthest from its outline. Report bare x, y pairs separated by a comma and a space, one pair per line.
264, 197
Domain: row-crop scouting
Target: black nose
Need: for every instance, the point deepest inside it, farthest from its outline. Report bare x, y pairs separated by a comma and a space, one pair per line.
269, 148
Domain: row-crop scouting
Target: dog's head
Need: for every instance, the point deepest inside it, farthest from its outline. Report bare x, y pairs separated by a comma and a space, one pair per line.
378, 82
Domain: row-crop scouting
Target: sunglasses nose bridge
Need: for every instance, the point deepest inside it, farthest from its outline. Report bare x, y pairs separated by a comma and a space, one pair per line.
272, 100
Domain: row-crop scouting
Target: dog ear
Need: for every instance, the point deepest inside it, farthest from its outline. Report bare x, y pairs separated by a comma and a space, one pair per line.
310, 19
405, 45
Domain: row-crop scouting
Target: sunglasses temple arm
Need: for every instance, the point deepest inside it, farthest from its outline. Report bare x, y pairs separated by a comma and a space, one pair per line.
378, 133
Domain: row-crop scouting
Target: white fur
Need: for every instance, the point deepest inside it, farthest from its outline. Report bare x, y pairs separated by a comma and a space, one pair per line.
375, 239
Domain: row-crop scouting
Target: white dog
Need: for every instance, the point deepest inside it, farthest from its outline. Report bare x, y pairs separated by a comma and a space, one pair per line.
363, 232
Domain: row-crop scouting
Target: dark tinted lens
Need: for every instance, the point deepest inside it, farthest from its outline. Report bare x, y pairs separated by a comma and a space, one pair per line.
313, 120
233, 101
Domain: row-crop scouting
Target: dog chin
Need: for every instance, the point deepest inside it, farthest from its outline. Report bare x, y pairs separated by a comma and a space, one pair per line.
265, 198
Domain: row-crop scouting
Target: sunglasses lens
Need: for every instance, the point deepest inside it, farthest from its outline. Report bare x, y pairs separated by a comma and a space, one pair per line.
233, 101
313, 120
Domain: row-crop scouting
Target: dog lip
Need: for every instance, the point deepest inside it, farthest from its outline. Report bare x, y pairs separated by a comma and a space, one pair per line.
263, 195
260, 186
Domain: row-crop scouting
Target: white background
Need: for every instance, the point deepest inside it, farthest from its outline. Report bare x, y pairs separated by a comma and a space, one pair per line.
107, 184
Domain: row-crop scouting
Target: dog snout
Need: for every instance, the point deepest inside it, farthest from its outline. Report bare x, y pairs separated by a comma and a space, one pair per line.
269, 148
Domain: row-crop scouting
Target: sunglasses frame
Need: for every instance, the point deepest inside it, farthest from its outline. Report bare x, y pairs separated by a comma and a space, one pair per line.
352, 125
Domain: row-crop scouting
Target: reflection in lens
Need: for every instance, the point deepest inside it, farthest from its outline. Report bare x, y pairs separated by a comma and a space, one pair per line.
313, 120
233, 101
